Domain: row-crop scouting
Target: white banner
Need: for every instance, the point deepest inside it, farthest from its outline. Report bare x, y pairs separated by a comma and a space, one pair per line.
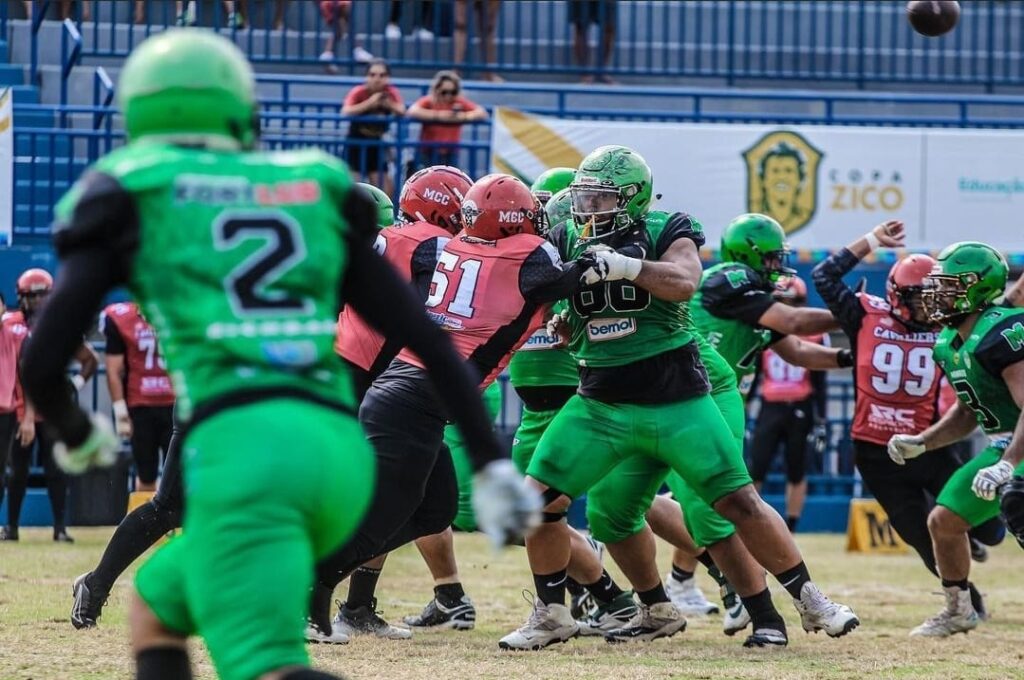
826, 185
6, 166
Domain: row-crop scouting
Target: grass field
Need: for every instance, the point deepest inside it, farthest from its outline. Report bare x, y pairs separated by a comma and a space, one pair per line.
890, 593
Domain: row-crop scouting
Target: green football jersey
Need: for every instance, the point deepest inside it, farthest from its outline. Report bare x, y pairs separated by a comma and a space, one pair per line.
539, 364
725, 310
974, 366
237, 266
616, 323
720, 373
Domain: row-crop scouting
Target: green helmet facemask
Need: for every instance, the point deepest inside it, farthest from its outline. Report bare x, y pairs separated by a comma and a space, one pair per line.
385, 207
611, 191
968, 278
192, 86
759, 242
550, 182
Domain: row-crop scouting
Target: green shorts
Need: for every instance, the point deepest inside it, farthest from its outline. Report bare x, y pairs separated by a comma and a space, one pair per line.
256, 522
465, 520
589, 438
617, 505
957, 495
531, 428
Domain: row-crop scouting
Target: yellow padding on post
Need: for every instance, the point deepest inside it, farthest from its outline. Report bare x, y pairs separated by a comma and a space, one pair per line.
869, 530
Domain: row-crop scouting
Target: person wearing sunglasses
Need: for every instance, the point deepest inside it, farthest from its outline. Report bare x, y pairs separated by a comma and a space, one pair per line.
442, 112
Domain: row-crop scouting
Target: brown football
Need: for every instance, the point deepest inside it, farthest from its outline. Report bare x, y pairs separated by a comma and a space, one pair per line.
933, 17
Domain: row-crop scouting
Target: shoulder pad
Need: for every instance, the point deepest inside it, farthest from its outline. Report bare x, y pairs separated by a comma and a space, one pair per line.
873, 303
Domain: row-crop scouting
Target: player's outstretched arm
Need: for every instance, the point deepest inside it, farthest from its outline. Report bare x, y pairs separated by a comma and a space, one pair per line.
798, 320
811, 355
956, 424
989, 479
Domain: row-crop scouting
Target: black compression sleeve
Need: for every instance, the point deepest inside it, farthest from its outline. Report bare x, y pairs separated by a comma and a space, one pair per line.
376, 292
86, 275
115, 343
840, 298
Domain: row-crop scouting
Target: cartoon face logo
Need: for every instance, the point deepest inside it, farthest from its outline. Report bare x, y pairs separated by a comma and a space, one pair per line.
782, 178
470, 212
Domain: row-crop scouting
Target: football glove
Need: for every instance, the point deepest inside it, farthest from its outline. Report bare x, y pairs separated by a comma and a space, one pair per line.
612, 266
818, 439
98, 450
903, 447
506, 508
122, 421
988, 480
558, 325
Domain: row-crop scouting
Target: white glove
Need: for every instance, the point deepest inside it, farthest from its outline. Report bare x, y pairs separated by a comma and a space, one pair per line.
612, 266
988, 480
556, 324
122, 422
903, 447
506, 508
78, 381
98, 450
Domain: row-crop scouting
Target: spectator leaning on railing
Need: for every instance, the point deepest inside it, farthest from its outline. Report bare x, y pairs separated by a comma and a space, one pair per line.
377, 97
442, 113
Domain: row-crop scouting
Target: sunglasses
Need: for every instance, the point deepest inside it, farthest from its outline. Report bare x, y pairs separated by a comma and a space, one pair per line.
447, 93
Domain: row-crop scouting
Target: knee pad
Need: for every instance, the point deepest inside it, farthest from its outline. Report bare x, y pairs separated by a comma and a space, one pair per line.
1011, 505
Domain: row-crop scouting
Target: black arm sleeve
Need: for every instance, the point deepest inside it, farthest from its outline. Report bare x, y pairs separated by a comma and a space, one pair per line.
85, 277
544, 278
819, 396
736, 293
997, 351
379, 295
115, 343
679, 225
840, 298
96, 245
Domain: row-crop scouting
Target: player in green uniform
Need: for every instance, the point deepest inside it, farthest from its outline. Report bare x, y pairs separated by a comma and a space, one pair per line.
981, 352
643, 392
385, 206
216, 242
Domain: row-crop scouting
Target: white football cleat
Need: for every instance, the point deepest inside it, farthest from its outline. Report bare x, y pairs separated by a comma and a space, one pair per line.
957, 617
650, 623
547, 625
337, 637
817, 612
688, 598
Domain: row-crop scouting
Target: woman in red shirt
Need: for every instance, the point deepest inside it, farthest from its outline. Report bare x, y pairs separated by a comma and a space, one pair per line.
365, 154
442, 113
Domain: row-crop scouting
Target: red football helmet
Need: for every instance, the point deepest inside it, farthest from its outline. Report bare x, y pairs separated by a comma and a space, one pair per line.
34, 281
791, 290
435, 195
904, 285
498, 205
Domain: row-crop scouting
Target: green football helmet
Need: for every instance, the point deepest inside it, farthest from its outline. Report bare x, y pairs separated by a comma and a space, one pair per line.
189, 85
611, 191
759, 242
559, 208
968, 278
385, 207
550, 182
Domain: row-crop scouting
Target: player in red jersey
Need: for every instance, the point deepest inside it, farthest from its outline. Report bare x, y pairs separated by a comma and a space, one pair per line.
33, 286
897, 386
490, 289
140, 389
792, 405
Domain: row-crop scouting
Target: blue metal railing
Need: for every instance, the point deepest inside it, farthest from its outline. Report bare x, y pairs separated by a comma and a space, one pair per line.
70, 56
736, 41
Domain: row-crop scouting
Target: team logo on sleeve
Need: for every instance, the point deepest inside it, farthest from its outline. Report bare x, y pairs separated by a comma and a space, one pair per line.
782, 178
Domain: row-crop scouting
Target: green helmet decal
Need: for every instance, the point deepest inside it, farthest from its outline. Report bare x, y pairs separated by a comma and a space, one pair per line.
559, 208
550, 182
968, 277
612, 190
385, 207
759, 242
189, 84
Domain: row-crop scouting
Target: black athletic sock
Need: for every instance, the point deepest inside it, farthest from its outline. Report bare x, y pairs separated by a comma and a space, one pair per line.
977, 601
311, 674
163, 663
961, 584
793, 580
550, 587
791, 523
572, 585
654, 595
320, 607
604, 589
680, 574
449, 594
707, 560
361, 587
136, 533
763, 613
